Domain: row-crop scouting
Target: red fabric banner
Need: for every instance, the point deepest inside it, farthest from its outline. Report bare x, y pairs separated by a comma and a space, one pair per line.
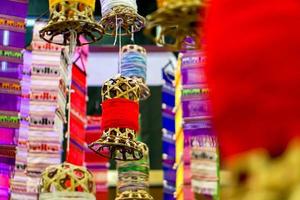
120, 113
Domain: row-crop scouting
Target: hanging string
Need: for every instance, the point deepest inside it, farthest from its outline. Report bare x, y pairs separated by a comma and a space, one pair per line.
118, 34
120, 49
107, 5
69, 56
134, 64
117, 31
132, 35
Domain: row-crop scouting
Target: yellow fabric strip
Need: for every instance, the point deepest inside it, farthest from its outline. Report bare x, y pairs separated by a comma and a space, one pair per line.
90, 3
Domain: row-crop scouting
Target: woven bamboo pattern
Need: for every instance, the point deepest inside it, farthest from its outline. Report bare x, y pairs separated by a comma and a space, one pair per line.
134, 195
160, 3
144, 89
68, 15
177, 20
67, 178
119, 143
133, 177
121, 87
90, 3
134, 48
128, 19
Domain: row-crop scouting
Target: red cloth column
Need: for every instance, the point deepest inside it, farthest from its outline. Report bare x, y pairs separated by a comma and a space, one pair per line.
253, 70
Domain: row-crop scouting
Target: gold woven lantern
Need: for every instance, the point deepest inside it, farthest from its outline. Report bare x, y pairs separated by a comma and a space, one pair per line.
160, 3
67, 16
176, 20
119, 143
136, 67
67, 181
134, 195
121, 87
133, 178
122, 16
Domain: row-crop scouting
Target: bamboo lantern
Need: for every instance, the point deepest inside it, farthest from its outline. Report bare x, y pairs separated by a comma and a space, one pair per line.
67, 181
119, 142
121, 17
176, 20
133, 178
67, 16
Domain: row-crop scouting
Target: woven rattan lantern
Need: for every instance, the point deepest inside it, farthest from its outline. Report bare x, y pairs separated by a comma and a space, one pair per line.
133, 178
121, 15
120, 111
176, 20
160, 3
67, 181
67, 16
134, 65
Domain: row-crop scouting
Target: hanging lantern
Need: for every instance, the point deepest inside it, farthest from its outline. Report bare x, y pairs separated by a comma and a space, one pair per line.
160, 3
120, 112
121, 17
134, 65
67, 181
72, 15
176, 20
133, 178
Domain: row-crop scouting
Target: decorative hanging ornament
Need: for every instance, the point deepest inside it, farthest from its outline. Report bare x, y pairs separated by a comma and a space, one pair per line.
120, 112
133, 178
67, 181
67, 16
176, 20
134, 65
121, 14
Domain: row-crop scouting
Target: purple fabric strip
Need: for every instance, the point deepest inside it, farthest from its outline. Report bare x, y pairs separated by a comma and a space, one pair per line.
11, 70
10, 102
6, 163
194, 75
14, 8
99, 167
15, 39
195, 108
197, 132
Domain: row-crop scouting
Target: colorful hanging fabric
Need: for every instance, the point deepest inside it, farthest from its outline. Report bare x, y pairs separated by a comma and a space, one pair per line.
98, 165
13, 92
201, 149
47, 115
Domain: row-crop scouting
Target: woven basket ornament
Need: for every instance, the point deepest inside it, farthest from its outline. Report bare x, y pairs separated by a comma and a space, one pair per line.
144, 89
160, 3
75, 15
67, 181
176, 19
124, 16
133, 177
119, 143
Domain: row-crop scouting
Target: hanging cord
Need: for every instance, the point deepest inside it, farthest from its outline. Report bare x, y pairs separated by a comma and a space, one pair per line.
108, 5
120, 49
132, 35
72, 47
118, 36
40, 18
